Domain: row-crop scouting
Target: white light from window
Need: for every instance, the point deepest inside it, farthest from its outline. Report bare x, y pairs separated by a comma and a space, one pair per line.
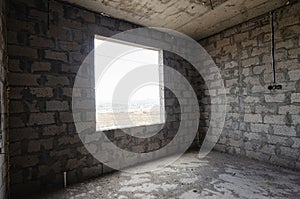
145, 104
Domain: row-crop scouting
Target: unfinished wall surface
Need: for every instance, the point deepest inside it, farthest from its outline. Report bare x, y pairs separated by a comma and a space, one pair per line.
261, 124
47, 42
46, 45
3, 105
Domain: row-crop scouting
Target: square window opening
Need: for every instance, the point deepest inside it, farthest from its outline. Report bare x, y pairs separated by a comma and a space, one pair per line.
118, 64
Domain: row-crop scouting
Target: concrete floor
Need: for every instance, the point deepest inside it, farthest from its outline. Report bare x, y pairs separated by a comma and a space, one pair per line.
217, 176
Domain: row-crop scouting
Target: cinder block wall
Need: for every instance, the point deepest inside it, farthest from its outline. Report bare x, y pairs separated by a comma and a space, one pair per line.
3, 104
261, 124
47, 42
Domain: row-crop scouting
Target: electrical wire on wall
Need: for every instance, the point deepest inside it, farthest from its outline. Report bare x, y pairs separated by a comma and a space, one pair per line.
211, 4
273, 86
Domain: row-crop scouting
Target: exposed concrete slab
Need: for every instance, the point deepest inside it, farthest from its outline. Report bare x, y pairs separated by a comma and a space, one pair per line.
227, 15
216, 176
196, 18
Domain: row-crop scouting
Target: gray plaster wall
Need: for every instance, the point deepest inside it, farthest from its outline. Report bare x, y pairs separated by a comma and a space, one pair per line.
261, 124
3, 104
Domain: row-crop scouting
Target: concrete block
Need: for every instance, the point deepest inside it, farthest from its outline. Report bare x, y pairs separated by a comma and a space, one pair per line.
287, 44
40, 67
231, 64
293, 53
22, 51
259, 127
223, 42
23, 79
289, 152
34, 146
284, 130
16, 121
51, 130
41, 118
274, 119
291, 109
253, 80
296, 119
57, 106
295, 97
27, 133
69, 46
105, 21
275, 98
57, 80
259, 50
92, 171
26, 160
250, 61
288, 64
241, 36
250, 99
255, 118
230, 82
42, 92
58, 56
41, 42
87, 16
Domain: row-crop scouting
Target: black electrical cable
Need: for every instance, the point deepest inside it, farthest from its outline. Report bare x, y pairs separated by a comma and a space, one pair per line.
274, 86
273, 47
48, 16
211, 5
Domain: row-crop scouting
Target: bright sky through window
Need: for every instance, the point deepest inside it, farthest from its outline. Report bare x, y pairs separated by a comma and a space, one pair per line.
143, 106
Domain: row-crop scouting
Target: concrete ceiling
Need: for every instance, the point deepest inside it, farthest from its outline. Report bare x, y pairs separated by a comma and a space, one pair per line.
196, 18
